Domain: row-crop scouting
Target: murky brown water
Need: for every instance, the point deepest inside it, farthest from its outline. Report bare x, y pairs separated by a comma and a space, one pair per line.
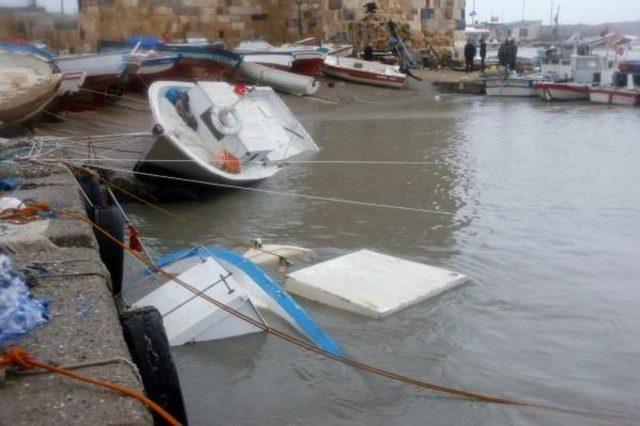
546, 222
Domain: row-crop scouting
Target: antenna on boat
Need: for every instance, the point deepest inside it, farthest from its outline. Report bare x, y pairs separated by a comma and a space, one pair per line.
524, 3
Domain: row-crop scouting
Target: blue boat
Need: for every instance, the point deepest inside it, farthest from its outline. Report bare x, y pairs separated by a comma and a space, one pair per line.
264, 292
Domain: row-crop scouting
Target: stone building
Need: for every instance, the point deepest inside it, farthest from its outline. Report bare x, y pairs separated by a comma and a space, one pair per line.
276, 21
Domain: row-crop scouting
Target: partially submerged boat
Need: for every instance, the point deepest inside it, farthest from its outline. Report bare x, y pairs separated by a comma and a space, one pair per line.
366, 72
232, 281
625, 88
27, 85
218, 132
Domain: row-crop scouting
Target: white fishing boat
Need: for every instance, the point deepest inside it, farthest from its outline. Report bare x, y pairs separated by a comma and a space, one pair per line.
366, 72
280, 80
101, 70
572, 78
27, 85
218, 132
226, 280
625, 88
280, 61
306, 60
511, 85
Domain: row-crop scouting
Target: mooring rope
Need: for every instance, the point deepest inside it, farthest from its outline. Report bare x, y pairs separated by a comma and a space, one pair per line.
281, 193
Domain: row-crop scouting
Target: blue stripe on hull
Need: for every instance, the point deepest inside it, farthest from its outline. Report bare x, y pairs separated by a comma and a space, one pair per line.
313, 332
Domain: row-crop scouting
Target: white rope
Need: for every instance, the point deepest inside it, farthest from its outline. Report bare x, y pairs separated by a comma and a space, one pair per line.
286, 194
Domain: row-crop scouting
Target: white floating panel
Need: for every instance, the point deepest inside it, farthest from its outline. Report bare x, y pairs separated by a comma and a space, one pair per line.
190, 318
370, 283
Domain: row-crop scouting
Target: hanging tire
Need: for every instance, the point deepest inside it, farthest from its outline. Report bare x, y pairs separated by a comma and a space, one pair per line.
110, 219
144, 333
90, 185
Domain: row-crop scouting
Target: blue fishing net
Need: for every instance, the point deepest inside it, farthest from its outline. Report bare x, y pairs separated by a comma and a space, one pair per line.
20, 312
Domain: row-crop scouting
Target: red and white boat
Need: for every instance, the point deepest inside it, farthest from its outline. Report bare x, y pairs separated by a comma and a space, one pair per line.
549, 90
305, 60
625, 89
366, 72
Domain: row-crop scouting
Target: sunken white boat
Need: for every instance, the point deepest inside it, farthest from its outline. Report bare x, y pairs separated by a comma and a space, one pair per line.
218, 132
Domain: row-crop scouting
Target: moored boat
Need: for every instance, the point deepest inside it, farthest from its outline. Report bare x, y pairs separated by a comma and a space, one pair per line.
511, 85
366, 72
27, 85
306, 60
625, 88
220, 133
570, 91
151, 66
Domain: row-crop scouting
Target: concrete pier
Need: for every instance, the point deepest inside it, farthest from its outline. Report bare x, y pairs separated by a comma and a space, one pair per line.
62, 257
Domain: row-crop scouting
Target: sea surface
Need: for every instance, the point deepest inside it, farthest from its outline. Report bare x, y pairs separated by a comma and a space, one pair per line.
539, 204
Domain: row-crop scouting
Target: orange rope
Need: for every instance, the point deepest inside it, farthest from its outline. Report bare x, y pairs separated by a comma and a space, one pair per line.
342, 359
27, 213
24, 361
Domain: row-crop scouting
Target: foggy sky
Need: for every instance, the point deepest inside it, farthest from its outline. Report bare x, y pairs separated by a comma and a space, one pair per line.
571, 11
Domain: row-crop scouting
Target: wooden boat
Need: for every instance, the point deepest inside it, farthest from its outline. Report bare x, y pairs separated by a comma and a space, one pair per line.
625, 88
570, 91
226, 273
102, 70
366, 72
27, 85
280, 80
230, 134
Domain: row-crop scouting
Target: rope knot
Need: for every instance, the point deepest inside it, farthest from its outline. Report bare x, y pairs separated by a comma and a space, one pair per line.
18, 357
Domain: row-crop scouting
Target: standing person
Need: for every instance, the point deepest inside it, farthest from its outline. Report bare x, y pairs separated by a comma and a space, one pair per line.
483, 53
513, 54
469, 55
503, 54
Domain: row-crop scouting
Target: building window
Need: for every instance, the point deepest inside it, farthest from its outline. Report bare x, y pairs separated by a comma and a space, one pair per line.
426, 14
524, 33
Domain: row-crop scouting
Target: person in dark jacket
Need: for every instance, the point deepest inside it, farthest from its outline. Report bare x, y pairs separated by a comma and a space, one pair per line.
513, 54
469, 54
483, 53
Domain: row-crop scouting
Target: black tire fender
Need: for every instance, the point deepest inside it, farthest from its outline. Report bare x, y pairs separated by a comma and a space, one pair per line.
145, 335
110, 219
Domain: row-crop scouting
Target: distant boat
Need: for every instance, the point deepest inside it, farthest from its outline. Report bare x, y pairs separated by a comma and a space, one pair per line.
222, 133
27, 85
366, 72
234, 281
624, 89
573, 77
